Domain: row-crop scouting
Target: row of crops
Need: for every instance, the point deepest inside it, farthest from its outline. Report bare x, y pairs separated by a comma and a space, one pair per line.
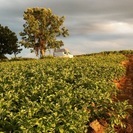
60, 95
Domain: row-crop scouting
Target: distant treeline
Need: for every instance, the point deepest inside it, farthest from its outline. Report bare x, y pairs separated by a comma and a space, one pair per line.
124, 52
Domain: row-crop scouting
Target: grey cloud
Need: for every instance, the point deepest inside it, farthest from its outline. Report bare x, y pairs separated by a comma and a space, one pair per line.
107, 37
84, 19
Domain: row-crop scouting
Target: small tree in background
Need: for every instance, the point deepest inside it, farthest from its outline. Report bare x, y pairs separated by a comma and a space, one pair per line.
16, 50
8, 42
41, 30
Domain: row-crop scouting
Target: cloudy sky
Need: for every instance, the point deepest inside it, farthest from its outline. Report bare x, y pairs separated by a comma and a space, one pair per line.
94, 25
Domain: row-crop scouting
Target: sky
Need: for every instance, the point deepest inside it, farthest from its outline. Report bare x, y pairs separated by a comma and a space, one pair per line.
94, 25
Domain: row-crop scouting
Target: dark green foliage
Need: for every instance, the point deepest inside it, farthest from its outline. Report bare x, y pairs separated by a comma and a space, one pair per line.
8, 42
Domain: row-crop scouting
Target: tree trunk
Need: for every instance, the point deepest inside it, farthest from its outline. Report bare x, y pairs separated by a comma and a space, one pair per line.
42, 48
42, 52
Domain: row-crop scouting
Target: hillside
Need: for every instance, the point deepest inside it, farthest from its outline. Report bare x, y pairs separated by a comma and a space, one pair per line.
61, 95
125, 84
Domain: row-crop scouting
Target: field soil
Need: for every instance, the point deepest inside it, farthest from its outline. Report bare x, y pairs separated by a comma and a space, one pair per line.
125, 84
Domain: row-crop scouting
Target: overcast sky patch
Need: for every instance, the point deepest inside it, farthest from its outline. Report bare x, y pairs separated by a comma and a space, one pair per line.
94, 25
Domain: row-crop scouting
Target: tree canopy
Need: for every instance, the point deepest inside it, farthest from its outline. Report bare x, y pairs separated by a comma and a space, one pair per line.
8, 42
41, 30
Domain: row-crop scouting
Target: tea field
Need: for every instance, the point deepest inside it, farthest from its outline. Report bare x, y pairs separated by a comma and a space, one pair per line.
59, 95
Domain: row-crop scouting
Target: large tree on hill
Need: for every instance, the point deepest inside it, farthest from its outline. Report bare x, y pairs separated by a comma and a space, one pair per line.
8, 42
41, 30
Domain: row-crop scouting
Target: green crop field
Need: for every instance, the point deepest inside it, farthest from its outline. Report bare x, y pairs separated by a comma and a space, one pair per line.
59, 95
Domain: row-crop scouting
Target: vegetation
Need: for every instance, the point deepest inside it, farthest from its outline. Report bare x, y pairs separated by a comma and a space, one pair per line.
60, 95
41, 29
8, 42
124, 52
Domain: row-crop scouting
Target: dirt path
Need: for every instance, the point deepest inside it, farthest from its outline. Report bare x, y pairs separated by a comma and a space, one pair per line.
126, 85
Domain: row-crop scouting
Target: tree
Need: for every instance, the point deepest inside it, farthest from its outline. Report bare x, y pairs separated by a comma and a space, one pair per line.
8, 42
41, 30
16, 50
